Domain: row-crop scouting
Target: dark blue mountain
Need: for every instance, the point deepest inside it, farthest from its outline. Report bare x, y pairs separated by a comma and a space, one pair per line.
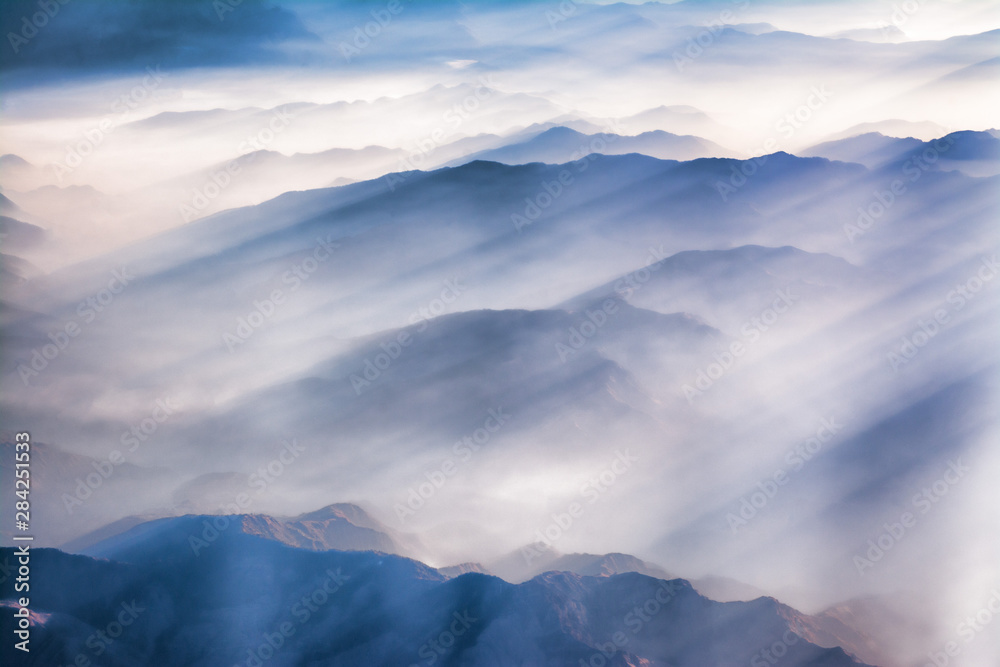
193, 591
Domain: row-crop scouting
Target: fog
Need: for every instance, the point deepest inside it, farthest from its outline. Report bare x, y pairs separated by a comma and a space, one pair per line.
310, 248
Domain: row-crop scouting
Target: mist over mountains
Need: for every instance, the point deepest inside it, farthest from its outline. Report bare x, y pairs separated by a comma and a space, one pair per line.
392, 333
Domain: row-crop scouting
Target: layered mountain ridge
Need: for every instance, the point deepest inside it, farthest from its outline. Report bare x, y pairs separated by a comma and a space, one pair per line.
322, 604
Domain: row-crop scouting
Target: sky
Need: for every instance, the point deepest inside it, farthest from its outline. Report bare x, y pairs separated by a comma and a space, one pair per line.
210, 149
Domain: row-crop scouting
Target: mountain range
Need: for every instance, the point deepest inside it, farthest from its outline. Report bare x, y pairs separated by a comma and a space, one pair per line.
378, 332
292, 603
